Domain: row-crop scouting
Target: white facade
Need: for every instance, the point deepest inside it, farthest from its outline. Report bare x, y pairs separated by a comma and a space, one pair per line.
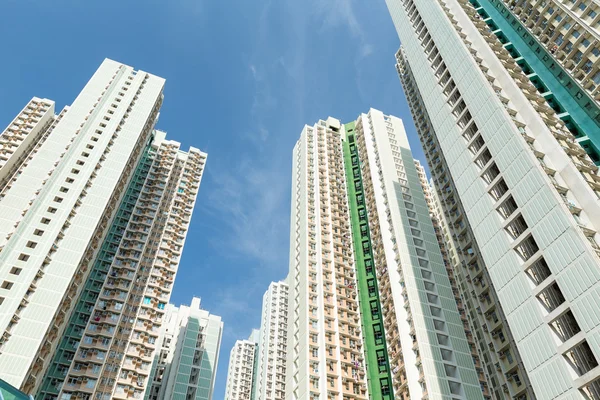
23, 135
325, 347
59, 204
242, 367
272, 347
189, 352
530, 196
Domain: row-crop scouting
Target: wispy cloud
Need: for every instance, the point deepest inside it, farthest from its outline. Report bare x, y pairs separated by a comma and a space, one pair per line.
250, 199
341, 13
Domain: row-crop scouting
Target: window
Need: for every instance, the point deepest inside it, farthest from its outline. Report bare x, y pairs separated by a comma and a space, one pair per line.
15, 271
516, 227
79, 162
69, 180
581, 358
539, 271
58, 199
45, 221
31, 244
432, 298
51, 210
565, 326
508, 207
443, 339
551, 297
74, 171
499, 189
576, 34
436, 311
527, 248
6, 285
23, 257
64, 189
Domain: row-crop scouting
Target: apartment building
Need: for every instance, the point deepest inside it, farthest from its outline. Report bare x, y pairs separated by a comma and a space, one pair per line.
94, 209
325, 346
405, 292
241, 375
110, 342
186, 364
271, 361
61, 180
519, 198
368, 285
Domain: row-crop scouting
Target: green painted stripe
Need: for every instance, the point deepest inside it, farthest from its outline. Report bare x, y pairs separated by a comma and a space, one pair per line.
379, 377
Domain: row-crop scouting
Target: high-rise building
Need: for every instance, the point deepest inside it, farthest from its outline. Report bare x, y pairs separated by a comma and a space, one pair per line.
111, 340
94, 210
186, 364
241, 375
61, 179
272, 347
374, 312
520, 197
325, 347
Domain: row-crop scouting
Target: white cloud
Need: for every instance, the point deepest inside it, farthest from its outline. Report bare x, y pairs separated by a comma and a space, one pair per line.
250, 199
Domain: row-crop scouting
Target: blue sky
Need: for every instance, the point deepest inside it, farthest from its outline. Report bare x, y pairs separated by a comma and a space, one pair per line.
243, 77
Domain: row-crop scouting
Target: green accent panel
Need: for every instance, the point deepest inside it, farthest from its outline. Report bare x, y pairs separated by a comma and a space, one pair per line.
378, 367
579, 112
65, 351
8, 392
